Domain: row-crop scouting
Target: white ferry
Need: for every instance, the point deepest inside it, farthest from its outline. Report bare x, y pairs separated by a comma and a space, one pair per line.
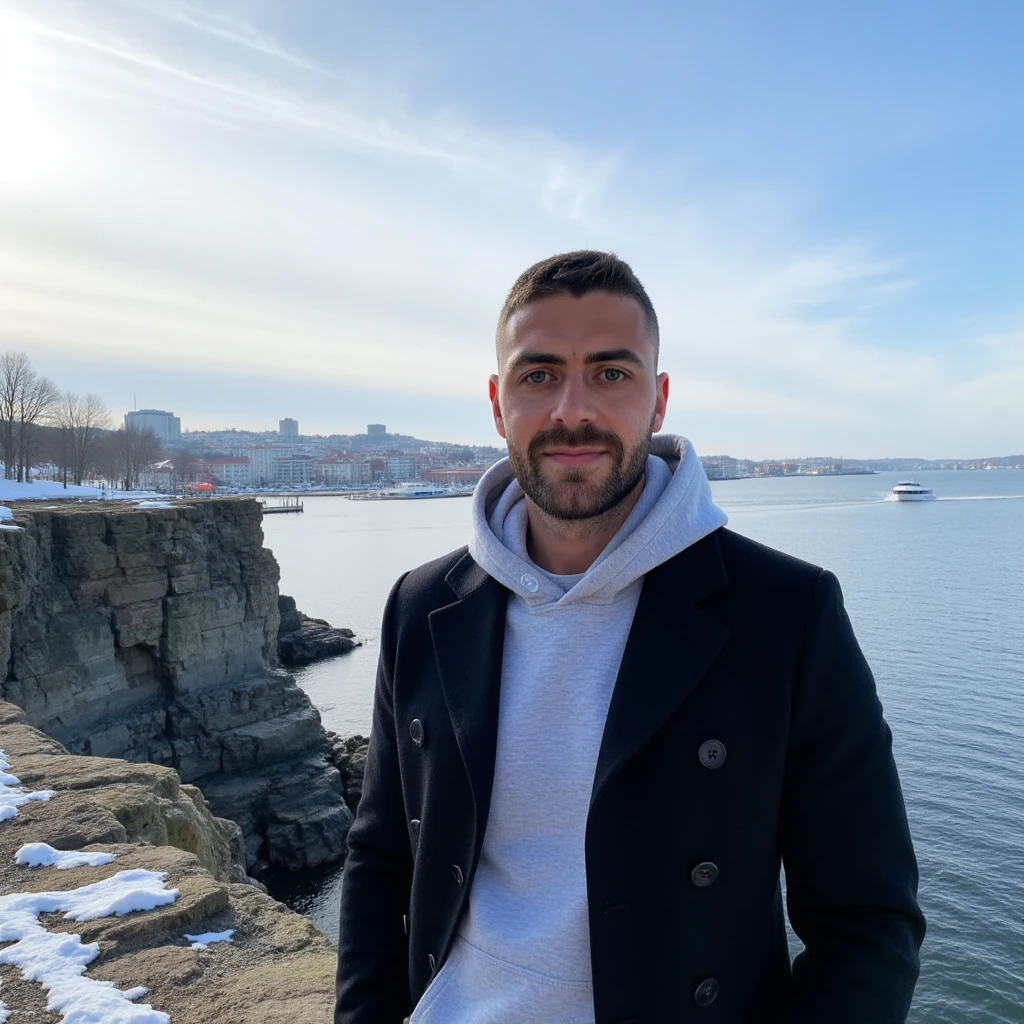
910, 490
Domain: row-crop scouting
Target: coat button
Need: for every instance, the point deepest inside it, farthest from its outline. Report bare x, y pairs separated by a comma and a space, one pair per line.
706, 992
414, 828
416, 732
712, 753
457, 872
433, 963
704, 874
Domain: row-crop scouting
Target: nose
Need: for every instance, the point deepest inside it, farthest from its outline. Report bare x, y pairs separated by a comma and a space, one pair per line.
574, 405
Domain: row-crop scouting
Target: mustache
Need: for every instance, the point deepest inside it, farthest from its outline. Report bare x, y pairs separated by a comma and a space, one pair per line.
587, 436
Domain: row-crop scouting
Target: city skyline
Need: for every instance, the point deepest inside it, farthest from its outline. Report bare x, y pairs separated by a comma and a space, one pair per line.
232, 209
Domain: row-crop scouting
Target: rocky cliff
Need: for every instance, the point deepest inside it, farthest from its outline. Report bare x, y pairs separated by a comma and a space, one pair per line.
277, 968
151, 634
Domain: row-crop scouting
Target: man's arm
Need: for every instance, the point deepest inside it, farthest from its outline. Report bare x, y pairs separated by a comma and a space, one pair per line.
373, 958
851, 875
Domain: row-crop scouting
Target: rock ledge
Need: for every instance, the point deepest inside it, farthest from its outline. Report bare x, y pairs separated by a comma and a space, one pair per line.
279, 969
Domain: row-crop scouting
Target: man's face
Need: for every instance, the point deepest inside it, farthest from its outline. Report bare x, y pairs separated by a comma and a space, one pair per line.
577, 396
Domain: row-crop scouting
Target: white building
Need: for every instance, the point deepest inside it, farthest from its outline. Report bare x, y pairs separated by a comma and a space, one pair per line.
229, 471
295, 470
400, 468
263, 462
158, 477
165, 425
337, 470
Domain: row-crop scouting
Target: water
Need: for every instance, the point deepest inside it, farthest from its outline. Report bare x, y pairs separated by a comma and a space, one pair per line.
936, 594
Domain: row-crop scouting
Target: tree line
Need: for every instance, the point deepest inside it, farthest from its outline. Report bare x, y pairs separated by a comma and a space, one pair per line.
42, 425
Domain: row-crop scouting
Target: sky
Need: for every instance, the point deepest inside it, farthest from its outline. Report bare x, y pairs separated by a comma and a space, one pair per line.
241, 211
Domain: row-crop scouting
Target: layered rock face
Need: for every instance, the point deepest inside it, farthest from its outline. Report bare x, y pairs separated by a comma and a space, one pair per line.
278, 968
151, 635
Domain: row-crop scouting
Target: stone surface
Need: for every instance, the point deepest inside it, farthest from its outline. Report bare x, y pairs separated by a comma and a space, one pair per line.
152, 635
302, 639
279, 968
348, 755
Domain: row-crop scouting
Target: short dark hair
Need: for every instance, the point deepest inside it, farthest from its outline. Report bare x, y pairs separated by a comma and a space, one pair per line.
578, 273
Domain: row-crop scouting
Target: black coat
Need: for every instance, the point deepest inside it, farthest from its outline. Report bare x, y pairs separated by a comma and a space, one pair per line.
744, 732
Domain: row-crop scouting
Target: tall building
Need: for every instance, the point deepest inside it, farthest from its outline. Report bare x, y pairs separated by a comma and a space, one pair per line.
263, 462
288, 427
165, 425
376, 429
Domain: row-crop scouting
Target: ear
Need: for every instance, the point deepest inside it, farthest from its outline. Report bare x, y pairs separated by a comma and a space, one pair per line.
492, 389
660, 403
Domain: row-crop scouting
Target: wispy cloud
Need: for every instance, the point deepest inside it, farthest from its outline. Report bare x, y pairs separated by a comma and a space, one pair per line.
241, 208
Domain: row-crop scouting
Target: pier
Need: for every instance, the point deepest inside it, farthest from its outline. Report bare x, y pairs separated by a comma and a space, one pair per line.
286, 505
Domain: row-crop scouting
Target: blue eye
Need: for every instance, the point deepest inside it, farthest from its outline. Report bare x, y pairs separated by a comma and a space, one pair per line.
537, 376
617, 375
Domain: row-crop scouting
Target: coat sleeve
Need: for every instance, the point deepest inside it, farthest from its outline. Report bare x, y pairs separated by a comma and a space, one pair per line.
851, 874
373, 959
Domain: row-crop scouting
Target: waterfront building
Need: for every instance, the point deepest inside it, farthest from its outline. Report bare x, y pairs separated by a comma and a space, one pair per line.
295, 470
720, 467
263, 462
454, 476
158, 477
400, 468
335, 470
165, 425
288, 427
228, 470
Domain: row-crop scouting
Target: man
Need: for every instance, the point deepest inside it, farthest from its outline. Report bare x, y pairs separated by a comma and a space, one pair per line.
600, 730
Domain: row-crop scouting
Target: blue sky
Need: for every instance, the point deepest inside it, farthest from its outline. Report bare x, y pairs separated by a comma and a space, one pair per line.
243, 211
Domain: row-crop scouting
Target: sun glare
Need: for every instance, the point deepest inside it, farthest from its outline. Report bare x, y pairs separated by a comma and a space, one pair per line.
29, 148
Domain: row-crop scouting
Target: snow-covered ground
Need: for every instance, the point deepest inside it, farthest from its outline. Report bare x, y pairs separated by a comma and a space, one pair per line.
12, 793
11, 490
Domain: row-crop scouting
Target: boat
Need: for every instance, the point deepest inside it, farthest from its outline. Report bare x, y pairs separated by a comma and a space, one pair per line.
910, 490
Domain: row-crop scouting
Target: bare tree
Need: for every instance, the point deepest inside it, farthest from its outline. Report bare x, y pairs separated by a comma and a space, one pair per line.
82, 421
187, 466
136, 449
26, 400
106, 458
15, 374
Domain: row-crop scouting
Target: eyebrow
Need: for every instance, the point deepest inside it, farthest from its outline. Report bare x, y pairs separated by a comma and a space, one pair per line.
611, 355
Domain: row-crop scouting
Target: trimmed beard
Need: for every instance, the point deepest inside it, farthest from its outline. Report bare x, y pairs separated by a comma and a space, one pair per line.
573, 497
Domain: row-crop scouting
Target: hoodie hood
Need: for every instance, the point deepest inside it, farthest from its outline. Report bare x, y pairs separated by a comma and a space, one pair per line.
674, 510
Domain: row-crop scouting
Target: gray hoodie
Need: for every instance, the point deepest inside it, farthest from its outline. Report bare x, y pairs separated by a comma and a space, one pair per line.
523, 950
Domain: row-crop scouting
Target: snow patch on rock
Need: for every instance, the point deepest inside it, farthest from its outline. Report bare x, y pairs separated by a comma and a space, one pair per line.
12, 793
42, 855
58, 960
202, 941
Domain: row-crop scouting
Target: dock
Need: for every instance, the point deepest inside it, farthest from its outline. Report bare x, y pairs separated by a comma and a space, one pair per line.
284, 506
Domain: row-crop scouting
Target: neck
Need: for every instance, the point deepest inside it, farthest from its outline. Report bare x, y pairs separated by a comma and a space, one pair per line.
567, 547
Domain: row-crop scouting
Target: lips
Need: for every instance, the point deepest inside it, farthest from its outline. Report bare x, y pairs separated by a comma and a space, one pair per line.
575, 457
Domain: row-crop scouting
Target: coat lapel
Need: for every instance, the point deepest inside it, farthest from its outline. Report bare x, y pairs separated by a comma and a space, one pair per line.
671, 645
469, 639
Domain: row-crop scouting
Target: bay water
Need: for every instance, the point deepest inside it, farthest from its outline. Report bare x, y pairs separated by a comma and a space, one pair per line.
935, 591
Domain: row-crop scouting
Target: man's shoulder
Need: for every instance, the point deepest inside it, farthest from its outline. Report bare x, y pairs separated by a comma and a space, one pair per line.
749, 563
